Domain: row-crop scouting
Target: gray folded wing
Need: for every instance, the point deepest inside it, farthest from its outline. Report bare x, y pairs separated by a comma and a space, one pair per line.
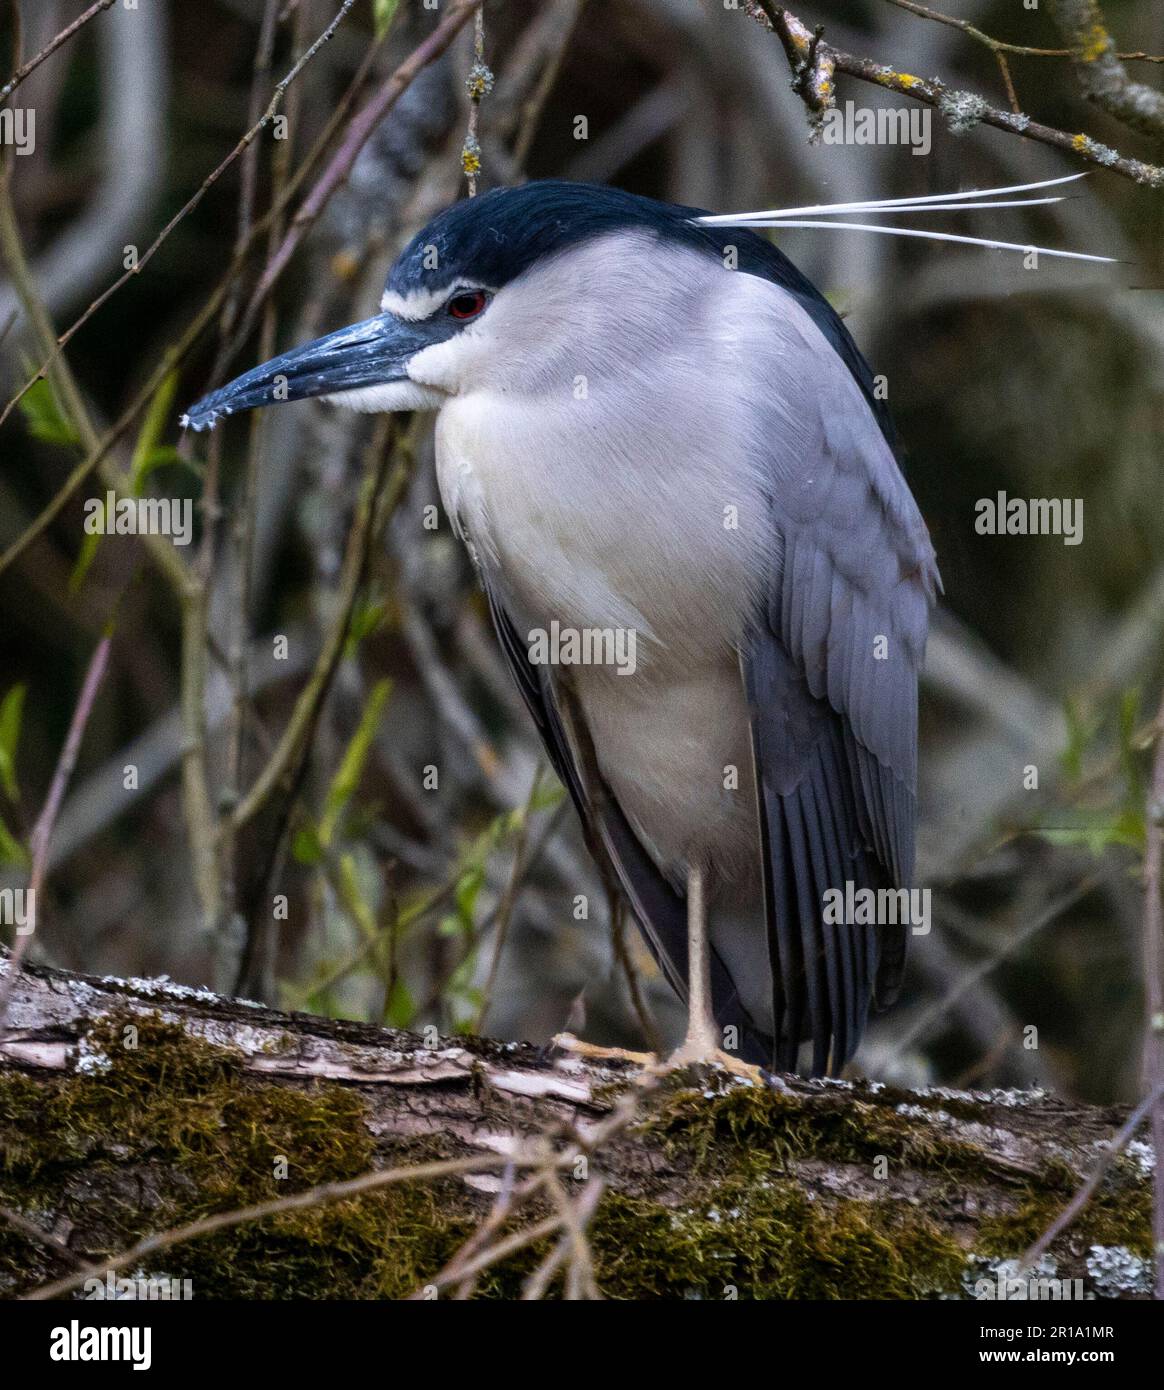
831, 669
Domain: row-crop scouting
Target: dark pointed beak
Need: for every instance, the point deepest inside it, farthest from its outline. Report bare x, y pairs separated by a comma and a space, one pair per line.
366, 354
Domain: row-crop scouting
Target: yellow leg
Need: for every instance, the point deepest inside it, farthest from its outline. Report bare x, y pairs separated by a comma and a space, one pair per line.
701, 1046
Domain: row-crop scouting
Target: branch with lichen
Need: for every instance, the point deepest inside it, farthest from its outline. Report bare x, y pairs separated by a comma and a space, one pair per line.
478, 85
27, 69
814, 63
1102, 76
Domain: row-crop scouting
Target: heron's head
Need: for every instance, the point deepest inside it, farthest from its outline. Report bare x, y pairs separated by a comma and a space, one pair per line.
517, 282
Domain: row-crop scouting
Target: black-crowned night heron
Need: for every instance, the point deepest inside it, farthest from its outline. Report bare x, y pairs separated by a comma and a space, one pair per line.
648, 425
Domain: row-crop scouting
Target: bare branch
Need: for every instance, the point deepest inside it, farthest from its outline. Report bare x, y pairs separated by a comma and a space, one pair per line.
50, 48
185, 210
370, 515
358, 134
1154, 983
42, 831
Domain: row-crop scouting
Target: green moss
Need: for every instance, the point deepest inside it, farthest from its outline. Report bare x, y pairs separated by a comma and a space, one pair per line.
752, 1126
162, 1133
747, 1133
770, 1241
960, 1107
1119, 1213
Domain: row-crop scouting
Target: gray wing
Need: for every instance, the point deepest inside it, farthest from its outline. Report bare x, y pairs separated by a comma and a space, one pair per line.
660, 910
831, 669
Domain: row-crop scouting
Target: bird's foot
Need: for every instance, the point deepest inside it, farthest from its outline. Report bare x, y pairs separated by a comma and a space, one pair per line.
694, 1052
569, 1043
697, 1052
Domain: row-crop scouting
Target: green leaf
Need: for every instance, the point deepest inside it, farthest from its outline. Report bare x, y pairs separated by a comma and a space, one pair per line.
366, 618
163, 456
305, 846
89, 550
468, 887
841, 300
351, 769
1096, 831
46, 421
401, 1007
383, 12
354, 902
146, 449
148, 456
11, 714
12, 852
1081, 729
450, 926
548, 794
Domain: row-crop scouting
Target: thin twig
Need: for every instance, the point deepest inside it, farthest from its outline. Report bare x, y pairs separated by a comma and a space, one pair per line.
940, 1009
160, 548
298, 731
1154, 986
19, 1222
995, 45
242, 532
51, 47
551, 63
1102, 77
998, 46
1008, 82
576, 1216
622, 954
42, 831
510, 1196
358, 133
477, 84
508, 899
500, 1250
175, 355
186, 209
1094, 1178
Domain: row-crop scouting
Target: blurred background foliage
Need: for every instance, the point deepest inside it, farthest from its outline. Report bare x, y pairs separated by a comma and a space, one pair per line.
418, 865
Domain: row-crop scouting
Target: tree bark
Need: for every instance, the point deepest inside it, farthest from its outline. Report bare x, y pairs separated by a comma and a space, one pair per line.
134, 1107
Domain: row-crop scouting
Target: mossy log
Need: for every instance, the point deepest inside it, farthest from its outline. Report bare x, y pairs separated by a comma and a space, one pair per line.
130, 1107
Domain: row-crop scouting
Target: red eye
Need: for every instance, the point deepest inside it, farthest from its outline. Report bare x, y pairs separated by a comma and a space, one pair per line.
468, 305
